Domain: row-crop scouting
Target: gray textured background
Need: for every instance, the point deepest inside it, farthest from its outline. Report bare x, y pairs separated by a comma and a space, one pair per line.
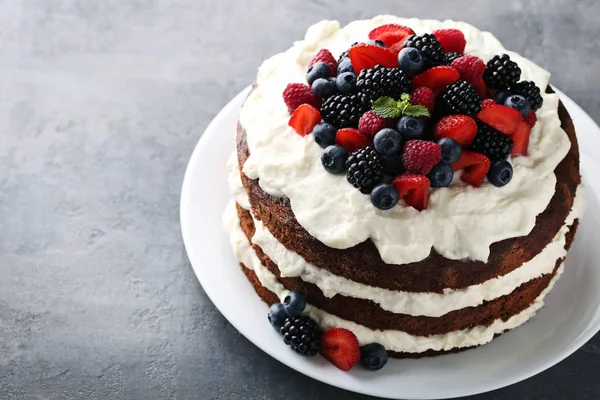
101, 104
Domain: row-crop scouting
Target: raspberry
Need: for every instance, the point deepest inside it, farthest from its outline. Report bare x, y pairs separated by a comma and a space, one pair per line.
470, 68
421, 156
325, 56
296, 94
452, 40
531, 118
371, 123
423, 96
487, 103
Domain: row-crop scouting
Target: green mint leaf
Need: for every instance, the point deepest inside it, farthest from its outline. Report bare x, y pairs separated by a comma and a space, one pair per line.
416, 111
386, 107
405, 97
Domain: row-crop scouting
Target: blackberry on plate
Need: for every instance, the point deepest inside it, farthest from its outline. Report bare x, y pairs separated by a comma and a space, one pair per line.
302, 334
530, 91
451, 57
493, 144
501, 72
431, 49
364, 169
373, 83
461, 97
342, 110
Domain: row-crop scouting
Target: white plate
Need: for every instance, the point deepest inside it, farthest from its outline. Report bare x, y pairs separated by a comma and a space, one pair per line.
569, 319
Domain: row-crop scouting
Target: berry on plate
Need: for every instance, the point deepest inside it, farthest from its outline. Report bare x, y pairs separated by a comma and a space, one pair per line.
364, 169
461, 128
304, 119
334, 159
475, 166
500, 173
530, 91
340, 347
413, 189
294, 303
420, 156
423, 96
364, 56
487, 103
531, 118
520, 138
316, 71
302, 334
296, 94
388, 142
436, 79
342, 110
345, 65
384, 196
379, 81
351, 139
493, 144
346, 82
411, 61
277, 316
431, 50
470, 68
451, 149
501, 72
441, 175
373, 356
461, 97
324, 134
371, 123
519, 103
411, 127
324, 87
391, 34
452, 40
502, 118
325, 56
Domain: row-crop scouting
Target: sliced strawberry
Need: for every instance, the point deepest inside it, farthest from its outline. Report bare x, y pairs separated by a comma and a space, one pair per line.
340, 347
482, 89
475, 165
521, 139
487, 103
502, 118
392, 35
351, 139
304, 119
365, 56
413, 189
461, 128
436, 79
452, 40
531, 118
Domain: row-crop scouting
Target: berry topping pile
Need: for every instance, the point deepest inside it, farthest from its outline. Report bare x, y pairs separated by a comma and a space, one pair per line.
400, 113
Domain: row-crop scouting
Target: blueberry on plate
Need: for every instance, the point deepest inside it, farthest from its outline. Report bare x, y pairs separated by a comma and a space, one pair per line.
346, 82
324, 134
411, 128
324, 87
294, 303
501, 96
441, 175
388, 142
392, 165
384, 196
451, 149
373, 356
410, 60
334, 159
316, 71
500, 173
277, 315
345, 66
519, 103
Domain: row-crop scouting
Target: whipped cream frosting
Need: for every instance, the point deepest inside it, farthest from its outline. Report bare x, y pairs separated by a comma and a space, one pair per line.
460, 222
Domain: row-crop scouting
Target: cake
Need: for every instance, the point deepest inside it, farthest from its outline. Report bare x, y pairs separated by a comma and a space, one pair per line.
423, 200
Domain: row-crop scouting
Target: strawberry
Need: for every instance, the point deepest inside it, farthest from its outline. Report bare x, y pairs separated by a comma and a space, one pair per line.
351, 139
521, 139
423, 96
482, 89
470, 68
452, 40
475, 165
502, 118
304, 119
419, 156
340, 347
461, 128
436, 79
392, 35
296, 94
413, 189
365, 56
325, 56
531, 118
487, 103
371, 123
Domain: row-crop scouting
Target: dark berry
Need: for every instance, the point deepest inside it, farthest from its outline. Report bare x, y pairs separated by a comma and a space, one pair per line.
518, 102
501, 96
342, 110
384, 196
373, 83
316, 71
461, 97
493, 144
411, 61
500, 173
392, 165
531, 92
373, 356
441, 175
324, 87
388, 142
364, 169
451, 149
451, 57
334, 159
501, 72
345, 54
430, 48
411, 127
294, 303
346, 82
302, 334
324, 134
345, 65
277, 315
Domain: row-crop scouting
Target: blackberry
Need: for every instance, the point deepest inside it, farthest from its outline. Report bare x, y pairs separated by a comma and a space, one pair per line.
364, 169
493, 144
431, 49
451, 57
373, 83
461, 97
530, 91
302, 334
342, 110
501, 72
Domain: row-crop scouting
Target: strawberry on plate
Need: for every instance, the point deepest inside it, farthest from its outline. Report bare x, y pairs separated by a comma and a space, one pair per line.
487, 103
340, 347
475, 166
502, 118
365, 56
392, 35
352, 139
413, 189
520, 138
461, 128
531, 118
304, 119
436, 79
482, 89
452, 40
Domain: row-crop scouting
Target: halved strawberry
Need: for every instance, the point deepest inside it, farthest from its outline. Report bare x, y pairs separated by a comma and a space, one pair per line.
487, 103
304, 119
531, 118
436, 79
413, 189
475, 165
351, 139
461, 128
392, 35
502, 118
365, 56
482, 89
341, 348
521, 139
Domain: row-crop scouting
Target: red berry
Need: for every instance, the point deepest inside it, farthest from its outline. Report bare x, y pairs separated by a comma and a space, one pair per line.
452, 40
413, 189
371, 123
420, 156
475, 165
531, 118
470, 68
482, 89
521, 139
487, 103
436, 79
502, 118
365, 56
341, 348
392, 35
461, 128
296, 94
423, 96
304, 119
325, 56
351, 139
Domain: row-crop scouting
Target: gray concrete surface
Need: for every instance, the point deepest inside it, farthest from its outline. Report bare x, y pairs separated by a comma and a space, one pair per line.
101, 104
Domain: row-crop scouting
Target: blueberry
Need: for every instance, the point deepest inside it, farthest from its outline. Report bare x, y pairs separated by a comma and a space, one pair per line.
294, 303
346, 82
411, 60
392, 165
316, 71
323, 87
441, 175
411, 128
345, 66
518, 102
377, 43
324, 134
384, 196
373, 356
501, 96
451, 150
388, 142
277, 315
500, 173
334, 159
